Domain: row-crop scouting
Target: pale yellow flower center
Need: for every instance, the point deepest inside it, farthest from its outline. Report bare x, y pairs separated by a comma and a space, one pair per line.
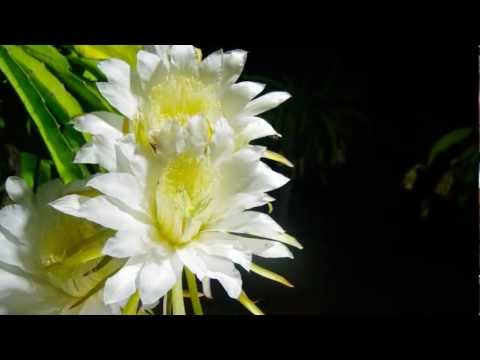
177, 98
183, 193
64, 236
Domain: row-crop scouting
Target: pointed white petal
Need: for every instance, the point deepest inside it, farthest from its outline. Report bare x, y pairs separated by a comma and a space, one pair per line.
120, 98
155, 280
17, 190
224, 245
265, 248
122, 285
222, 143
206, 288
131, 160
101, 151
101, 123
211, 68
99, 210
12, 253
266, 103
14, 220
225, 272
122, 187
236, 98
233, 64
183, 58
265, 179
255, 224
147, 63
125, 244
257, 128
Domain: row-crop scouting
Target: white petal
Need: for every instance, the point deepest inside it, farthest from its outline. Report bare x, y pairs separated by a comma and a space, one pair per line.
196, 135
101, 123
206, 288
225, 272
257, 128
265, 248
117, 71
146, 65
99, 210
101, 151
204, 265
240, 202
265, 179
121, 186
266, 103
255, 224
21, 294
118, 91
163, 51
236, 98
223, 142
183, 58
233, 64
125, 244
12, 253
131, 160
155, 280
193, 261
17, 190
225, 246
120, 98
14, 220
122, 285
211, 68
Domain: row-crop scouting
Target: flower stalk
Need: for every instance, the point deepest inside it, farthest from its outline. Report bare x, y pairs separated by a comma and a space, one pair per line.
192, 286
177, 298
132, 306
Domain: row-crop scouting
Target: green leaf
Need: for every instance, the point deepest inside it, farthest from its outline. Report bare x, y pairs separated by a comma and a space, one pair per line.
59, 101
85, 92
411, 177
445, 184
449, 140
2, 123
127, 53
45, 171
28, 167
43, 118
62, 104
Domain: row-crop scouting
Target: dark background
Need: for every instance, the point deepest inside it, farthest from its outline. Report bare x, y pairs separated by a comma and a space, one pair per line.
367, 249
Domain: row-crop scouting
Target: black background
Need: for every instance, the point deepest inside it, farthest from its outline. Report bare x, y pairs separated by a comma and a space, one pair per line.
367, 250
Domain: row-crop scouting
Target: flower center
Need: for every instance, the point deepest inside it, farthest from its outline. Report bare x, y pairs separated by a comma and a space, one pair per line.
183, 194
177, 98
63, 236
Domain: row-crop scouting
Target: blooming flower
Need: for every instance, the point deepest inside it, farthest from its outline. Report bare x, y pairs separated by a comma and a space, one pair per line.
44, 263
187, 205
170, 83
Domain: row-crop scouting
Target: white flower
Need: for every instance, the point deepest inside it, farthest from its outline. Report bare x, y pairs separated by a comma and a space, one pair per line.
170, 83
188, 205
35, 242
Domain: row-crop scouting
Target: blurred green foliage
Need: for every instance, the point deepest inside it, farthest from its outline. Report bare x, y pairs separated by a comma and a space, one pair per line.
450, 172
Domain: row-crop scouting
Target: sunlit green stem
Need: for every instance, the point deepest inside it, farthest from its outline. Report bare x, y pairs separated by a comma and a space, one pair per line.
192, 286
177, 298
132, 306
